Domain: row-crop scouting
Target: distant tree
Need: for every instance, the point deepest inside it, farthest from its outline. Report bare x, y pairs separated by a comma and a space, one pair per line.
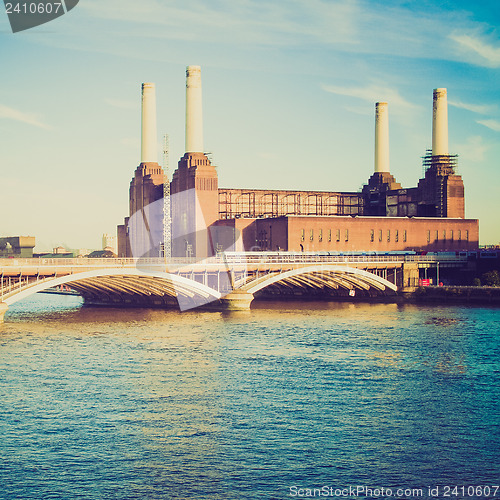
476, 282
491, 278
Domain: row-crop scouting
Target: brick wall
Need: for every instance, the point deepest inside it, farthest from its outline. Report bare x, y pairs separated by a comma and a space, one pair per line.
313, 234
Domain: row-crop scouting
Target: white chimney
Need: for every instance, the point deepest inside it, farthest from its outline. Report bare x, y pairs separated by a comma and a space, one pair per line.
149, 146
440, 123
194, 115
381, 137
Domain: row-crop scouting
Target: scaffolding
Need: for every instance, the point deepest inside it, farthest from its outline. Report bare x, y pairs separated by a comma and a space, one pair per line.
442, 164
439, 168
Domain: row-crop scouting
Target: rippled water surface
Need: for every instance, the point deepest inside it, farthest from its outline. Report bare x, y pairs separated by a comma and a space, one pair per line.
124, 404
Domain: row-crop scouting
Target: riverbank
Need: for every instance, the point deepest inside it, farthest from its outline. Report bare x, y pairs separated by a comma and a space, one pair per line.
457, 294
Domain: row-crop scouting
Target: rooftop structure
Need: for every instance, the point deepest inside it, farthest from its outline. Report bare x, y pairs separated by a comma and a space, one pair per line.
17, 246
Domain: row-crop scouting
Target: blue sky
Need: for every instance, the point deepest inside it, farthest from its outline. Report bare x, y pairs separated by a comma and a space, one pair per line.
289, 91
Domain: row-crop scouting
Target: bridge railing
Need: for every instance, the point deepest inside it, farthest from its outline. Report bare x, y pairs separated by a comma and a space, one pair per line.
228, 258
299, 258
436, 258
286, 257
91, 262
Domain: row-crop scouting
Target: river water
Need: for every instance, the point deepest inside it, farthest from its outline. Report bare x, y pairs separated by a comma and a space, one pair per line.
289, 400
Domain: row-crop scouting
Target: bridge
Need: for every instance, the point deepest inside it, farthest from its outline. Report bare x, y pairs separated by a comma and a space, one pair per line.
229, 281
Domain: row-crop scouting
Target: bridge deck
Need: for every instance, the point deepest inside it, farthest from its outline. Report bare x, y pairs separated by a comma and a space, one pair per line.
162, 280
245, 258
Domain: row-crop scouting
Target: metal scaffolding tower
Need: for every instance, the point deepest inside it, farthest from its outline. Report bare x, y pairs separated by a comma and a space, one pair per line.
167, 220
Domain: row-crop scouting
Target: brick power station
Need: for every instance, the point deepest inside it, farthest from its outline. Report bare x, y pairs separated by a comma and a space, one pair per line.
204, 219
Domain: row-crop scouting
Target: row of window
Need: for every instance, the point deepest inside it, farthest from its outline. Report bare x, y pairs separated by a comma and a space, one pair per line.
395, 235
451, 235
328, 235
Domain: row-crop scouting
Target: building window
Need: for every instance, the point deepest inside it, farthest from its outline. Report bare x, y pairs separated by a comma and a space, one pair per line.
303, 235
338, 234
451, 235
320, 236
404, 235
329, 235
428, 236
380, 235
459, 235
311, 235
347, 234
444, 234
437, 235
467, 235
372, 235
396, 236
388, 235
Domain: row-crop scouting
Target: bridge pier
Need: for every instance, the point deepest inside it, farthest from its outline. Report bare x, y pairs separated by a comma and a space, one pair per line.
3, 310
236, 301
410, 277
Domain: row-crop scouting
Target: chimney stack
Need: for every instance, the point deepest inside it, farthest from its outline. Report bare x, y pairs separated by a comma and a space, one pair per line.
194, 115
381, 137
440, 123
149, 147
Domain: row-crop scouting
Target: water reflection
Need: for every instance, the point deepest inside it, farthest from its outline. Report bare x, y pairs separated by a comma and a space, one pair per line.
112, 403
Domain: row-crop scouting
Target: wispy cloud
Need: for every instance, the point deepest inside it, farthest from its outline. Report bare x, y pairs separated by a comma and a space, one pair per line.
492, 124
372, 94
121, 104
20, 116
358, 26
243, 21
475, 46
482, 109
404, 30
473, 150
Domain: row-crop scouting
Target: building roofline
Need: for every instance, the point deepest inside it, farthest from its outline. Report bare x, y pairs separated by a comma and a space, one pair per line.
364, 217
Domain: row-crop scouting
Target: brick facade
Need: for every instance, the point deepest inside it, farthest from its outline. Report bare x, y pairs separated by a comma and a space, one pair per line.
382, 217
353, 234
146, 187
194, 205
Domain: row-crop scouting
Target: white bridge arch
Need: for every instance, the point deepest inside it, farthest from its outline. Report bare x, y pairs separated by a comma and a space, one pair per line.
329, 276
120, 282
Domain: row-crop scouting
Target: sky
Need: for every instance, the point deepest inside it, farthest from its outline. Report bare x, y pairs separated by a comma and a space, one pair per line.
289, 92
